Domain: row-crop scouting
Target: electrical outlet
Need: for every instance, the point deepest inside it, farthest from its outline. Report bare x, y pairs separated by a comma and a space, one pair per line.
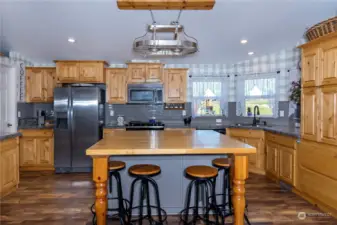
184, 112
281, 113
19, 114
112, 113
218, 120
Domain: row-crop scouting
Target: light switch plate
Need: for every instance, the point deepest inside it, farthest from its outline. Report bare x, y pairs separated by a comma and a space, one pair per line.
184, 112
218, 120
112, 113
281, 113
19, 114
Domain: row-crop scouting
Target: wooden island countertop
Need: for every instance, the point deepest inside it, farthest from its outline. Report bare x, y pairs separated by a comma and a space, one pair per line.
169, 142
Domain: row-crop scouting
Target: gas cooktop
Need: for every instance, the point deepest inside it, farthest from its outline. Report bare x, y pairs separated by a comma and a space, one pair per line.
139, 125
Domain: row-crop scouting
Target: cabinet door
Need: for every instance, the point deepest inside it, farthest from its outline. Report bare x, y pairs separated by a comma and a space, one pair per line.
175, 86
49, 84
91, 72
272, 166
67, 72
154, 73
45, 151
116, 85
136, 73
309, 114
329, 61
328, 114
310, 68
28, 152
34, 85
287, 164
9, 167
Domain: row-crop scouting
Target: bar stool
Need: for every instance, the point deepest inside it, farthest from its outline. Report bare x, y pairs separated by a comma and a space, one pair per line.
144, 174
113, 168
201, 176
225, 165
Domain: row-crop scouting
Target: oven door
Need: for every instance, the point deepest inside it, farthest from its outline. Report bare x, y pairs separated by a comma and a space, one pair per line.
141, 95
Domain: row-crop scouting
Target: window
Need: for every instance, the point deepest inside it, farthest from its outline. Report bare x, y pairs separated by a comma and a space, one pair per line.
257, 91
208, 97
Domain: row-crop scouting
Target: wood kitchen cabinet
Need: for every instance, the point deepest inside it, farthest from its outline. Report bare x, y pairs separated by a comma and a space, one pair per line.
327, 122
175, 85
329, 62
40, 84
145, 72
309, 113
37, 150
116, 85
310, 68
80, 71
254, 138
9, 165
281, 157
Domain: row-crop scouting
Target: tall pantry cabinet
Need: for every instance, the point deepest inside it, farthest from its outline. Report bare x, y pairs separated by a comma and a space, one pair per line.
317, 153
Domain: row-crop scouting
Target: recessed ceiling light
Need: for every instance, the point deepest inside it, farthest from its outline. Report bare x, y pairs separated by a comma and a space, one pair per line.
244, 41
250, 53
71, 40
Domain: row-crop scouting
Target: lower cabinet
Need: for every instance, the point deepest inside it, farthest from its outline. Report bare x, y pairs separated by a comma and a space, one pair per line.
37, 150
280, 157
9, 165
255, 138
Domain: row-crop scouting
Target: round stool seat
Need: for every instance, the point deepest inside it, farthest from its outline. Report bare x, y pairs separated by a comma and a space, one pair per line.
201, 171
144, 170
116, 165
222, 162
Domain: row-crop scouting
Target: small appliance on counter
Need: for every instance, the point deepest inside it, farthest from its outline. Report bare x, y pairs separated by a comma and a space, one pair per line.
41, 117
188, 120
139, 125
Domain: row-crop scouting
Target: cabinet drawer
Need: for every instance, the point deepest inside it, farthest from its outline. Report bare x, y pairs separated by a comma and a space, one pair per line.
9, 144
238, 132
281, 140
37, 132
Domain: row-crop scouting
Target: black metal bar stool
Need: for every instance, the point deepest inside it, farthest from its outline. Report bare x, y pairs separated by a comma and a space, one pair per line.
226, 205
201, 176
122, 209
144, 174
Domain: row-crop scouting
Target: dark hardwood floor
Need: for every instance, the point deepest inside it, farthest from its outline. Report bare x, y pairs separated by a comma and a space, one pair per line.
65, 199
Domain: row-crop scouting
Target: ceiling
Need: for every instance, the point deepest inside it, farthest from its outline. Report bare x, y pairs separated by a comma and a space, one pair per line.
39, 29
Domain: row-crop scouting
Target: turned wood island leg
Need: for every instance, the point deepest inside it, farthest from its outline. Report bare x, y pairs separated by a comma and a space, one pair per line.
100, 175
238, 198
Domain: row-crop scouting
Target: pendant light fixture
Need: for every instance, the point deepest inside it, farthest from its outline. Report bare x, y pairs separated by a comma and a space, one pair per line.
165, 40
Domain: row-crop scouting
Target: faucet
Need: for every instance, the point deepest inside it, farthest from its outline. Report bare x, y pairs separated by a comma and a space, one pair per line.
256, 112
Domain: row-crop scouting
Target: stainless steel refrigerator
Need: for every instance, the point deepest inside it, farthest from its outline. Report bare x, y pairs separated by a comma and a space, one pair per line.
79, 119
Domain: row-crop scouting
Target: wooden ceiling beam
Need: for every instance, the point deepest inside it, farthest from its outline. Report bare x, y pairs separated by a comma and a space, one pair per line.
165, 4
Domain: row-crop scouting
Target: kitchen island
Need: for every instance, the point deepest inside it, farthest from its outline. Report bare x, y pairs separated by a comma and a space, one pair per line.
168, 143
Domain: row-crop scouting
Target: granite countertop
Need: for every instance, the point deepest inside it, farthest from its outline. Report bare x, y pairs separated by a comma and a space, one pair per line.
283, 130
34, 127
7, 135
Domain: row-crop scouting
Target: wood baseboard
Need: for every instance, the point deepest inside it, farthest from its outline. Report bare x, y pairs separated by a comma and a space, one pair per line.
37, 168
315, 202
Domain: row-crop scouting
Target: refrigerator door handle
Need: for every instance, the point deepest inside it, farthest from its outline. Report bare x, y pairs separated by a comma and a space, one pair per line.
71, 122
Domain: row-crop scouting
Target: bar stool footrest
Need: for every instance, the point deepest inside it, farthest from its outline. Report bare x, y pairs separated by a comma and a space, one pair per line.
151, 219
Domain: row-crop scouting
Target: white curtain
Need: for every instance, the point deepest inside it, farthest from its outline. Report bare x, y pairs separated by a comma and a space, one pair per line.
209, 95
252, 89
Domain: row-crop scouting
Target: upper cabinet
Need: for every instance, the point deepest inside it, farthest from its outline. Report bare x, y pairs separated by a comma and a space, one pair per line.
175, 85
329, 62
116, 85
145, 72
80, 71
40, 84
310, 62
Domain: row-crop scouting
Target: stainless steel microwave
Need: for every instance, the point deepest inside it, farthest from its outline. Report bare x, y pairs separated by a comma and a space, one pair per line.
145, 93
